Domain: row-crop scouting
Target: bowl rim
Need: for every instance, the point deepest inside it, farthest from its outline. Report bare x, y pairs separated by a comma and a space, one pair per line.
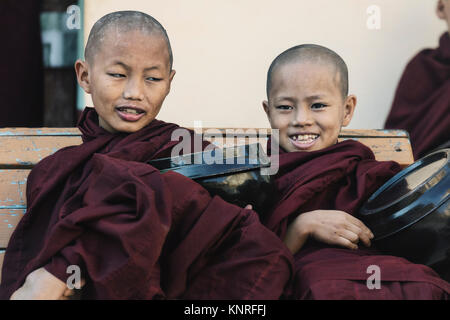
366, 210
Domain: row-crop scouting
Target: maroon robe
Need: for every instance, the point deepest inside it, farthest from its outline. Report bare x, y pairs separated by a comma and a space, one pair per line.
136, 233
342, 177
422, 102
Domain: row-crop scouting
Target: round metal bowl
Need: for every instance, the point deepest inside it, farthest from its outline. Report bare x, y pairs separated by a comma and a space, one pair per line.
410, 214
234, 174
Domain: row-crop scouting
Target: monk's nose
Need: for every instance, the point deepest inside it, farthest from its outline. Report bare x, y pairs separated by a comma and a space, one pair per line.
301, 117
134, 90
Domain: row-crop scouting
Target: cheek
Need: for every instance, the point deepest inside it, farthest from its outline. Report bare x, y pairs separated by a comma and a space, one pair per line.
279, 121
106, 91
330, 121
157, 94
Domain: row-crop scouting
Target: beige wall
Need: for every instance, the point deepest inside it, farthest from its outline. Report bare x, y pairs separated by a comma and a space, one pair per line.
223, 48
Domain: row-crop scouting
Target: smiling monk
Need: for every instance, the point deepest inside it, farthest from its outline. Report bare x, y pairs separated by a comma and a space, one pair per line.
132, 232
321, 184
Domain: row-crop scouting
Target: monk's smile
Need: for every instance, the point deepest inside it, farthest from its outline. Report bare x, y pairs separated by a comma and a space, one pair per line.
306, 106
303, 141
130, 113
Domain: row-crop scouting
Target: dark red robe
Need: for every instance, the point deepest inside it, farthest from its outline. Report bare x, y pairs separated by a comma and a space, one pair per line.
422, 101
342, 177
136, 233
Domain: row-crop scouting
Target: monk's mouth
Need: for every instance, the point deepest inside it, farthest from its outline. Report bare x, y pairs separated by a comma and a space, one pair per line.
130, 114
304, 138
304, 141
130, 110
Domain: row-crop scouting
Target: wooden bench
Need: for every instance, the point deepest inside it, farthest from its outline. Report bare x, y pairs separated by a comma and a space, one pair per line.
22, 148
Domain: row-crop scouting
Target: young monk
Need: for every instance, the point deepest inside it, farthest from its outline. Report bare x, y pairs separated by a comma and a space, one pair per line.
321, 185
422, 101
133, 233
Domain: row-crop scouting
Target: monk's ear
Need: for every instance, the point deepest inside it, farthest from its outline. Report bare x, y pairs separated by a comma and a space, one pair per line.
82, 71
171, 75
266, 108
265, 105
349, 109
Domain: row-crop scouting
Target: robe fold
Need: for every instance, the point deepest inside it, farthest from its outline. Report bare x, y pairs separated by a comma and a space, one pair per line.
421, 104
136, 233
342, 177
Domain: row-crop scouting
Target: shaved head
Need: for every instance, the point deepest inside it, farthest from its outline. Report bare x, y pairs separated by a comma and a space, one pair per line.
124, 21
311, 53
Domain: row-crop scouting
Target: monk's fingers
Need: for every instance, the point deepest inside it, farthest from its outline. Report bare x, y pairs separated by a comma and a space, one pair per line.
358, 223
365, 239
363, 235
249, 206
68, 292
349, 235
343, 241
341, 237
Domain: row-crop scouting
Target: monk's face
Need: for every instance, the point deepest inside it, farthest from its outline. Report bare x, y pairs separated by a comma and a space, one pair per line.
306, 105
128, 79
443, 11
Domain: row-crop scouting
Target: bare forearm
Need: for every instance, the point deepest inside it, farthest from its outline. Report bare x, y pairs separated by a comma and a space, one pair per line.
296, 236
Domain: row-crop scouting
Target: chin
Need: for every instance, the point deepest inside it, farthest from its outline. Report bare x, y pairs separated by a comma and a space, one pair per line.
131, 129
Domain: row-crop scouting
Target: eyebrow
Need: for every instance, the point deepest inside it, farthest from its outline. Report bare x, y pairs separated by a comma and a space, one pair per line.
309, 98
282, 98
120, 63
315, 97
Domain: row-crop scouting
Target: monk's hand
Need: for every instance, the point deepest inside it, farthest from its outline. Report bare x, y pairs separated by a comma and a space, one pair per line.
333, 227
41, 285
73, 294
249, 207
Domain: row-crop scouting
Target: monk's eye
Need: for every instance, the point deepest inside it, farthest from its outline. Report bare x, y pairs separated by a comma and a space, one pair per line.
318, 106
116, 75
284, 107
153, 79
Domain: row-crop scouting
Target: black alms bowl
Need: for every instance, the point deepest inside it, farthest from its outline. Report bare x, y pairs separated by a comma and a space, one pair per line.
410, 214
235, 174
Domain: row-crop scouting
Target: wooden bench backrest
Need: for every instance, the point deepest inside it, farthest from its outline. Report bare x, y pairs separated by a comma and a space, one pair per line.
22, 148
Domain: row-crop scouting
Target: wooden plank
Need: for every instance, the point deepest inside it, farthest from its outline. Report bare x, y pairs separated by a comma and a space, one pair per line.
343, 134
40, 132
26, 151
13, 186
76, 132
9, 218
24, 147
373, 133
387, 149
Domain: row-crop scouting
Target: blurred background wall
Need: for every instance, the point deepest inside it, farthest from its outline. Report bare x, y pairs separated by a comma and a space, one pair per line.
223, 48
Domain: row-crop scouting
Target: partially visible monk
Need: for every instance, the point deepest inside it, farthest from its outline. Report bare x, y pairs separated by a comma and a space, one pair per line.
132, 232
421, 104
321, 184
